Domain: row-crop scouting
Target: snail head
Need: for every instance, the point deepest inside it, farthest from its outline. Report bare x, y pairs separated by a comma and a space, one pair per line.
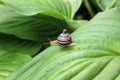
65, 30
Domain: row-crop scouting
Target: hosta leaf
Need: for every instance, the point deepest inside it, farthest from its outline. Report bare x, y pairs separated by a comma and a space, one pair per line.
1, 3
16, 45
37, 27
96, 55
55, 8
105, 4
75, 24
11, 62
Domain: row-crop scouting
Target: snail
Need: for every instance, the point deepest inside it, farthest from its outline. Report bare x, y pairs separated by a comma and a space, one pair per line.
63, 39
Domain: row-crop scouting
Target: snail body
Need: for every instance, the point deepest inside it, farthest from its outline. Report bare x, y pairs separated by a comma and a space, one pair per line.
63, 39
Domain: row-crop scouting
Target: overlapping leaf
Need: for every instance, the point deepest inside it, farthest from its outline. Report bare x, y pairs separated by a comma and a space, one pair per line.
36, 27
55, 8
11, 62
14, 53
75, 24
96, 56
106, 4
31, 26
13, 45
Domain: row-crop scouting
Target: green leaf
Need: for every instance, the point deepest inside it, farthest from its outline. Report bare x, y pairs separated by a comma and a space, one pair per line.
36, 27
75, 24
107, 4
11, 62
1, 3
55, 8
14, 53
96, 55
13, 44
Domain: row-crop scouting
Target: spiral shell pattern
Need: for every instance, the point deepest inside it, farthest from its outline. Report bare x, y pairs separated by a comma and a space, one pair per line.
64, 38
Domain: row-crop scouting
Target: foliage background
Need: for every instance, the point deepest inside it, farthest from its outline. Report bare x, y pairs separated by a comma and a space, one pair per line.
26, 25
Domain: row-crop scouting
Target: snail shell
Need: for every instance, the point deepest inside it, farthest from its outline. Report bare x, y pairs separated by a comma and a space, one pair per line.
64, 38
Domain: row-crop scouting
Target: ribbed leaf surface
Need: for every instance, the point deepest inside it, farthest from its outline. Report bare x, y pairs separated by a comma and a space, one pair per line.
55, 8
96, 56
36, 27
14, 53
11, 62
